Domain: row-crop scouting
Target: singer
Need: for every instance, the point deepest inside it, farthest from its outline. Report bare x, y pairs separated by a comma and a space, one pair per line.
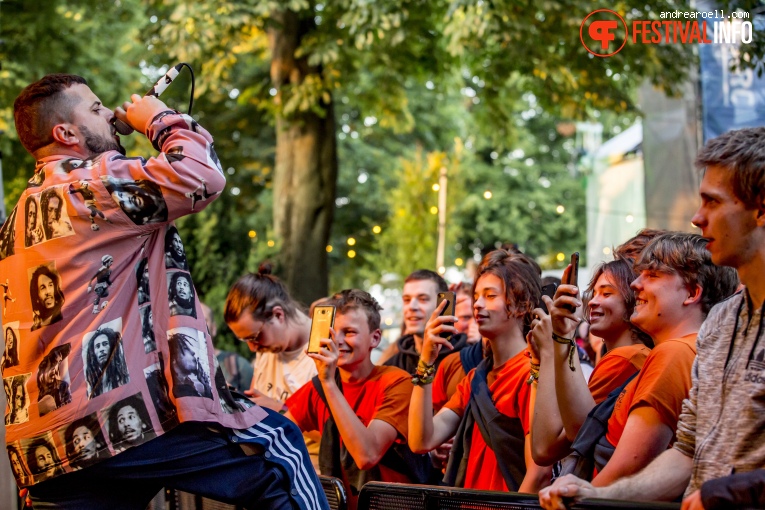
211, 443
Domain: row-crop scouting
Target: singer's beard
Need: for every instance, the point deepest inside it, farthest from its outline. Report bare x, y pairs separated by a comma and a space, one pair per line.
99, 144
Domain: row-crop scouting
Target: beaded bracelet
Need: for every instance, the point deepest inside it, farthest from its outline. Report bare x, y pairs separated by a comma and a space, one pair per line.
571, 349
424, 374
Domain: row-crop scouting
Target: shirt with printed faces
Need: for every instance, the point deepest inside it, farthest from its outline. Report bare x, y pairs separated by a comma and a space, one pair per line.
56, 314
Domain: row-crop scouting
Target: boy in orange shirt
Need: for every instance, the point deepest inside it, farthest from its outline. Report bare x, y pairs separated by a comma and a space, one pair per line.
677, 286
362, 418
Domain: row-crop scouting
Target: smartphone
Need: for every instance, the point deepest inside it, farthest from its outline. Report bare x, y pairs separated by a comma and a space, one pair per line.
323, 319
449, 310
573, 275
549, 291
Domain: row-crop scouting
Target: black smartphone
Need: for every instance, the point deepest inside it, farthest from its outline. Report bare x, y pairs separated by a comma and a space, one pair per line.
449, 309
323, 319
549, 291
573, 275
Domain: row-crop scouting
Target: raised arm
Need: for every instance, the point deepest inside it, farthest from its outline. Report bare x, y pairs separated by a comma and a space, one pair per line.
426, 432
366, 444
548, 439
574, 398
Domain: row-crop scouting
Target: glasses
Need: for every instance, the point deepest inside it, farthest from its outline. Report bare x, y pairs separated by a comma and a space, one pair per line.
254, 338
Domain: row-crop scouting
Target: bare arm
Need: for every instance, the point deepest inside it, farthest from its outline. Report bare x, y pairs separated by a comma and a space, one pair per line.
366, 444
574, 398
643, 439
664, 479
426, 431
548, 439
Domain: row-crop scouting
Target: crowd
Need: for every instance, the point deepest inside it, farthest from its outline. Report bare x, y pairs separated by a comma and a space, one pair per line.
509, 392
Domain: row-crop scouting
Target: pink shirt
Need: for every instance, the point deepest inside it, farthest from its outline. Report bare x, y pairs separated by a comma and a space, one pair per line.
111, 347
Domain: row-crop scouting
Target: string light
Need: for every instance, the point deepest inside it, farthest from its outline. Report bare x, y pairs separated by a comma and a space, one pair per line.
376, 229
630, 218
436, 187
351, 241
441, 270
329, 248
606, 251
560, 209
271, 243
458, 262
560, 257
434, 210
252, 234
487, 194
351, 254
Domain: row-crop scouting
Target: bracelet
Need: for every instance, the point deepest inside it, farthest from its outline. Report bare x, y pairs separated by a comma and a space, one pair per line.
571, 349
420, 380
533, 373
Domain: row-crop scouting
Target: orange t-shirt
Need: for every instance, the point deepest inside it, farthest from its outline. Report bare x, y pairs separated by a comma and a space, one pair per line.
663, 384
449, 374
384, 395
616, 367
511, 396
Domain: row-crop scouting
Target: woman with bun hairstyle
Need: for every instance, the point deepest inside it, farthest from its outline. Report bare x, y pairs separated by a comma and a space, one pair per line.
260, 311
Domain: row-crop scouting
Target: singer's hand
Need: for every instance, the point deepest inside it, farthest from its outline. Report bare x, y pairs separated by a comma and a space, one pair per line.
140, 111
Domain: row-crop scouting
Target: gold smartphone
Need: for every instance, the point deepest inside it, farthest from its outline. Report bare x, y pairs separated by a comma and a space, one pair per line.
323, 319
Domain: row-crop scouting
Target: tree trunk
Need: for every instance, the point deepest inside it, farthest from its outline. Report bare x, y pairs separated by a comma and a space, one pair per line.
305, 175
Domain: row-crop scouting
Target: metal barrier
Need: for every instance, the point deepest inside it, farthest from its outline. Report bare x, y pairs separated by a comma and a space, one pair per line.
395, 496
178, 500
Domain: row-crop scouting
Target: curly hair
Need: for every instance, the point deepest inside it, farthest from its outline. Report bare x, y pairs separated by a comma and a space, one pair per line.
41, 442
28, 229
45, 199
115, 373
518, 272
34, 294
136, 402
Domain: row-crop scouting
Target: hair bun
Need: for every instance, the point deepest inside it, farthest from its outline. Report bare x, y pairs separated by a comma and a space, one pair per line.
265, 268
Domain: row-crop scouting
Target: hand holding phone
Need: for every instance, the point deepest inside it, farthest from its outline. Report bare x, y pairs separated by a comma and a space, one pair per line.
449, 309
323, 319
572, 276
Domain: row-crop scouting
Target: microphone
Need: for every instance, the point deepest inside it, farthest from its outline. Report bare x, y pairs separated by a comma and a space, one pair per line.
122, 127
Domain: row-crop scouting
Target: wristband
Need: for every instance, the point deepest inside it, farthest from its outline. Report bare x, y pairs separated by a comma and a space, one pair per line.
571, 349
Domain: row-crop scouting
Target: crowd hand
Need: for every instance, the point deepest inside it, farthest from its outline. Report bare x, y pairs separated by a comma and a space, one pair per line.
540, 337
432, 341
564, 320
439, 457
264, 401
693, 502
140, 112
326, 358
565, 490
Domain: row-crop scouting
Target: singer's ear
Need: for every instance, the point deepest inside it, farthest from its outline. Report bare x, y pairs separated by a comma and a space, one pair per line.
65, 134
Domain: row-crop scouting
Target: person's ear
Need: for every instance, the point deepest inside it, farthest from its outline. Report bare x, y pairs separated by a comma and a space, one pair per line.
278, 313
694, 295
760, 214
376, 338
65, 134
